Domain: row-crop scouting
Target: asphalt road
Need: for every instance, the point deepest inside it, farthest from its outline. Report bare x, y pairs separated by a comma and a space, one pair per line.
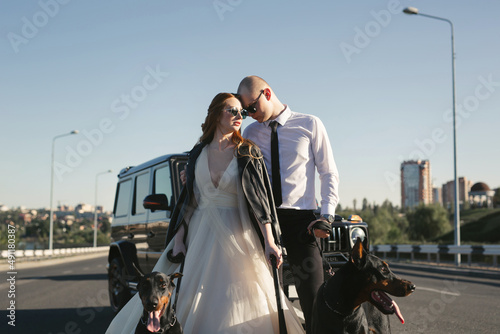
448, 304
71, 297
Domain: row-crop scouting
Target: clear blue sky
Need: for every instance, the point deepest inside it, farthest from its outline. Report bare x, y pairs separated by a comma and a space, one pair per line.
379, 79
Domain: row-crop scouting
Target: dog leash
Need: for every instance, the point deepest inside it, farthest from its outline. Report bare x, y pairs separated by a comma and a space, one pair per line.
330, 269
173, 306
177, 288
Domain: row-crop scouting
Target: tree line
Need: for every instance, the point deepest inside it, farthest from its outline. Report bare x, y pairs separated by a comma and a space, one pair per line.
37, 231
388, 224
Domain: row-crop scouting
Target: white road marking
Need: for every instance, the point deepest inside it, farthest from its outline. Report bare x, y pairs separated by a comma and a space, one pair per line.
67, 272
444, 292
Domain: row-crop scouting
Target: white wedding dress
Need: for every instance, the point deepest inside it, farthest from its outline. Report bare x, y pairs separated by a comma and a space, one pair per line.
227, 285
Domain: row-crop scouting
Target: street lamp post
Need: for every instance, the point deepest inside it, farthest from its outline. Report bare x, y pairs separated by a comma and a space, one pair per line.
95, 207
414, 11
51, 228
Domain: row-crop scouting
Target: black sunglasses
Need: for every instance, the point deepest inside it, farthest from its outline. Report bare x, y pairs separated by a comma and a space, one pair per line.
251, 108
234, 111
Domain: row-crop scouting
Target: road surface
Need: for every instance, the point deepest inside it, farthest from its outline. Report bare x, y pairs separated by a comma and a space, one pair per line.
71, 298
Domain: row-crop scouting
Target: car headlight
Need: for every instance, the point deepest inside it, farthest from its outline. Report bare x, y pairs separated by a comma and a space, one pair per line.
356, 233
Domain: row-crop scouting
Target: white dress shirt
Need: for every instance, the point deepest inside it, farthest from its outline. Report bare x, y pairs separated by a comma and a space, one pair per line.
303, 147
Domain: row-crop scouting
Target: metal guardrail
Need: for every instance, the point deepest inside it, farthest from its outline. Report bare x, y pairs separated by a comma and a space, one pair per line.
469, 250
30, 253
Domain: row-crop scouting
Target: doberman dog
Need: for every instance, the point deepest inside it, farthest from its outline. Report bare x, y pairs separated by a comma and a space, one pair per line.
155, 290
350, 301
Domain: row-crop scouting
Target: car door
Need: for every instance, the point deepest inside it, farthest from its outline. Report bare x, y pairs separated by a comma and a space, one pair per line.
121, 210
137, 224
159, 220
166, 180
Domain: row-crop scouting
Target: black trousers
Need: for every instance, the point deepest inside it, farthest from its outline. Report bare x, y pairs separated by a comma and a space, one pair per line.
303, 256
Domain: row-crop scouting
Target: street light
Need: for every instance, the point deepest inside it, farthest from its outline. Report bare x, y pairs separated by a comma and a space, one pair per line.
414, 11
51, 228
95, 208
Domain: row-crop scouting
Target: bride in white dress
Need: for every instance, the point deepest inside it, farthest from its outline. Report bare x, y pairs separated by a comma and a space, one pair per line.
227, 285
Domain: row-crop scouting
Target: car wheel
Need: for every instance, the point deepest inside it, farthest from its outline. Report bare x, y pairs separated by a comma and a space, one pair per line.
119, 292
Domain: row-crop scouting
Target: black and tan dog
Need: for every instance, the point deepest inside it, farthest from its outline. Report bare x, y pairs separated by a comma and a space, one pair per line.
355, 299
155, 290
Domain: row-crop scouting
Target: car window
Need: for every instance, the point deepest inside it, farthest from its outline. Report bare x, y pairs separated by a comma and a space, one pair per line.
141, 191
162, 182
122, 204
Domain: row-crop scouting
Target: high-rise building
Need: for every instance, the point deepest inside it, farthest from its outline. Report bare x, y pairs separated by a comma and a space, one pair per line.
464, 186
437, 195
416, 186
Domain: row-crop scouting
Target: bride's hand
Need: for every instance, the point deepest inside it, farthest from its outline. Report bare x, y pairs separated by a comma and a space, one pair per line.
272, 249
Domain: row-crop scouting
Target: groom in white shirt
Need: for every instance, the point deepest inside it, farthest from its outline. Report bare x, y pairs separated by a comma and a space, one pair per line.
299, 145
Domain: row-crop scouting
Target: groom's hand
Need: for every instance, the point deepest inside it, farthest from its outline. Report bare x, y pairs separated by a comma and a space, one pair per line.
318, 233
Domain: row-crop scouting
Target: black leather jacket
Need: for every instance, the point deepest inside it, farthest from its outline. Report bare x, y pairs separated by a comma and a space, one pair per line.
256, 188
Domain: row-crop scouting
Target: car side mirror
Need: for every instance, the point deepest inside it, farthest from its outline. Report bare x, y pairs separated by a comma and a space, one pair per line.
156, 202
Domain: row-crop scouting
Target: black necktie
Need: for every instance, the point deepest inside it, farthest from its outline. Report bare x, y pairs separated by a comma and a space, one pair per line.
275, 164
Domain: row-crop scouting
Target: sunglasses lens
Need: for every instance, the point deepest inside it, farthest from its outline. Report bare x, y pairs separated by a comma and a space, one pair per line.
234, 111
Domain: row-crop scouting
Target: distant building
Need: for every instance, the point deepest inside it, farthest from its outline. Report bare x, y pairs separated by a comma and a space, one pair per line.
69, 219
437, 196
448, 191
66, 208
481, 195
416, 185
26, 217
81, 208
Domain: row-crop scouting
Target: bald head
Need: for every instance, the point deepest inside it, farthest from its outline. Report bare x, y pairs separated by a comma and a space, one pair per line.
252, 84
259, 98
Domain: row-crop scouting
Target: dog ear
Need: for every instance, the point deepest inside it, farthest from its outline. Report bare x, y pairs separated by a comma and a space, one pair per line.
175, 275
137, 270
358, 254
